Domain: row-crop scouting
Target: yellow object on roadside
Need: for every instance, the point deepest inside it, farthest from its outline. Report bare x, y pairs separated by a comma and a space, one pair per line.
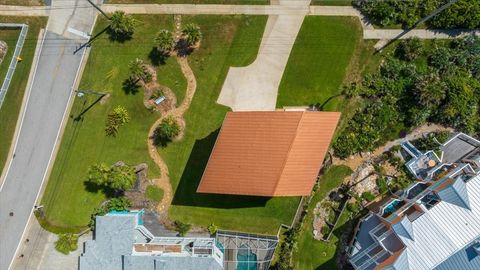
19, 59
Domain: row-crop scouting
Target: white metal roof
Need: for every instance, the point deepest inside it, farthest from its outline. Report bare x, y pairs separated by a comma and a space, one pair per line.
444, 229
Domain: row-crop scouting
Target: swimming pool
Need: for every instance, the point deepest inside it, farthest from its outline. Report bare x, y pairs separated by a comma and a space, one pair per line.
246, 260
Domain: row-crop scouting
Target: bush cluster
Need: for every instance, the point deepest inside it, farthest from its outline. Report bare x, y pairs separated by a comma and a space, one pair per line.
442, 86
462, 14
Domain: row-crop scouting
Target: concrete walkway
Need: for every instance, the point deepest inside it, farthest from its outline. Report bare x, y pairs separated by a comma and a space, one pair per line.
39, 252
7, 10
255, 87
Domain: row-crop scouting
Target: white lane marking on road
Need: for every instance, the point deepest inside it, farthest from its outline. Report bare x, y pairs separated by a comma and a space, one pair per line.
78, 33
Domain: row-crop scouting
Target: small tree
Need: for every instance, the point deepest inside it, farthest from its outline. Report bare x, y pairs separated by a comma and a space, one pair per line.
115, 119
164, 41
66, 243
166, 131
192, 34
122, 177
119, 178
138, 71
122, 26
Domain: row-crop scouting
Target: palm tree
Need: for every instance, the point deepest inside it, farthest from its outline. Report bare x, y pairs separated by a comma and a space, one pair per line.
164, 41
192, 34
430, 90
138, 71
122, 25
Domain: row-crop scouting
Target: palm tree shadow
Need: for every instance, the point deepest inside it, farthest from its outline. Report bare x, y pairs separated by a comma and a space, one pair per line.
183, 48
118, 37
186, 192
130, 86
156, 57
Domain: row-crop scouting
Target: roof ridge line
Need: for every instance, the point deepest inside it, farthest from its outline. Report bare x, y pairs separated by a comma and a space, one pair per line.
288, 153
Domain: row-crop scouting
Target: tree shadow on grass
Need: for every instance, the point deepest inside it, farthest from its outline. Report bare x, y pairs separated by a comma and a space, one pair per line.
156, 57
186, 193
94, 188
130, 86
183, 48
117, 36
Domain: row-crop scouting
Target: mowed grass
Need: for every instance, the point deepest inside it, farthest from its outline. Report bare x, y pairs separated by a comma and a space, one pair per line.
22, 2
311, 253
9, 112
67, 201
228, 41
223, 2
319, 61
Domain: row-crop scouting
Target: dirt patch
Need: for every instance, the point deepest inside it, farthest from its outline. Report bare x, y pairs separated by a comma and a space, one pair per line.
154, 90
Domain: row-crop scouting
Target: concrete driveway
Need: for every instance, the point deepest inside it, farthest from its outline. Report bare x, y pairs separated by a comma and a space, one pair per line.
255, 87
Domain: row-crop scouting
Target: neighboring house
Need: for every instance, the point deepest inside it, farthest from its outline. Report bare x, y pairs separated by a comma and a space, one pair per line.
123, 243
269, 154
435, 222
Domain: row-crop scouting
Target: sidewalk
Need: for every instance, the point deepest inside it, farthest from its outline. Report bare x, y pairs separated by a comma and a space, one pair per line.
7, 10
39, 252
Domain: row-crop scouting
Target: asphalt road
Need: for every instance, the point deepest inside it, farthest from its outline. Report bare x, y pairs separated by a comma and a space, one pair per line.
47, 103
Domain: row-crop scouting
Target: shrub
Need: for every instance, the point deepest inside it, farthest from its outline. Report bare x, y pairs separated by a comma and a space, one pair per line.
166, 131
115, 120
353, 207
182, 228
119, 204
114, 177
325, 230
331, 216
382, 185
368, 196
154, 193
66, 243
212, 229
409, 49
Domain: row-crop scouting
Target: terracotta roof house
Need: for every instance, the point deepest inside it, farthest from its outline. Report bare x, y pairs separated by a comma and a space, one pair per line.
275, 153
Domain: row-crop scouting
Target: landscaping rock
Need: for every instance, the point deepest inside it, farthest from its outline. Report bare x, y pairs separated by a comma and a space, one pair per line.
3, 50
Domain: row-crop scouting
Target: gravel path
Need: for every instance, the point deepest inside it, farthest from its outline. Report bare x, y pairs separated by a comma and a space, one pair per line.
164, 180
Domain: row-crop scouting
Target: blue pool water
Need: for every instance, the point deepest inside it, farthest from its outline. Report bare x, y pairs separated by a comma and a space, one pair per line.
390, 208
247, 260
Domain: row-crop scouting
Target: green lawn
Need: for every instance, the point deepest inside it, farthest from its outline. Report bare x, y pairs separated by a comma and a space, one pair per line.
228, 41
67, 201
313, 254
225, 2
319, 61
10, 109
22, 2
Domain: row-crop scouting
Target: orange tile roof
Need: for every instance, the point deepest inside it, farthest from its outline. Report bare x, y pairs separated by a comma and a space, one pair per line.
269, 153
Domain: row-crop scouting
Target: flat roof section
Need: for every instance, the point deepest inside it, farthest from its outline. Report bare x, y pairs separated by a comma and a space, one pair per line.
269, 153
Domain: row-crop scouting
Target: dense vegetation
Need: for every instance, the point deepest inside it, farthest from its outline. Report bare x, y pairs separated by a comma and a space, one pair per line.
438, 83
462, 14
